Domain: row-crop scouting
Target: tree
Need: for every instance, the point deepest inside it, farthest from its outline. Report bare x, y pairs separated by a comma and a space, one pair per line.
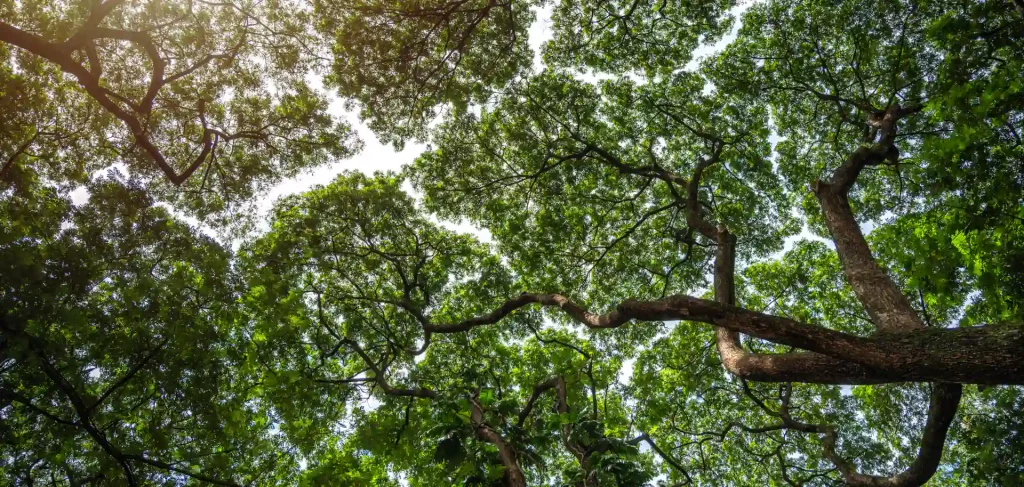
210, 97
794, 262
115, 369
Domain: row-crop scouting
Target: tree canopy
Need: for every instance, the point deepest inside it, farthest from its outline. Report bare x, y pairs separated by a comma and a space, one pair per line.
794, 259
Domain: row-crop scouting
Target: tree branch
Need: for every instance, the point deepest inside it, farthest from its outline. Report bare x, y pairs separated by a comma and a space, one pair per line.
925, 355
558, 384
889, 309
943, 404
381, 379
37, 348
664, 456
128, 377
17, 153
509, 458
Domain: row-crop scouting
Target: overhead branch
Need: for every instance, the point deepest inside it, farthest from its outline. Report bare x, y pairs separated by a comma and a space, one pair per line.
134, 117
558, 384
85, 422
182, 471
379, 375
667, 458
889, 309
695, 212
15, 155
99, 12
942, 408
7, 395
130, 375
509, 457
926, 355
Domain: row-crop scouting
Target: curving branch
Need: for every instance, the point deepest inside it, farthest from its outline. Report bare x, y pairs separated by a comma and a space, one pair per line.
943, 405
379, 376
509, 457
889, 309
667, 458
799, 366
558, 384
924, 355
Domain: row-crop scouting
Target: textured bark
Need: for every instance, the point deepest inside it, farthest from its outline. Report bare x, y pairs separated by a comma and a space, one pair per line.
800, 366
882, 299
971, 355
888, 308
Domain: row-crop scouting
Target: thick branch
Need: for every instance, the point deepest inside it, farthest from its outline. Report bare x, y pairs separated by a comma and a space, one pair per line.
983, 355
60, 54
509, 458
889, 309
944, 402
784, 367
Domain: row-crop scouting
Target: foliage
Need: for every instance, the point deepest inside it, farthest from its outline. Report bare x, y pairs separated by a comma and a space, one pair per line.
206, 102
674, 285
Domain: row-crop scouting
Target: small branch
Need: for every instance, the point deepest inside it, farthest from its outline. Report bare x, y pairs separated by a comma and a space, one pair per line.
187, 473
381, 380
17, 153
9, 395
131, 373
558, 384
664, 456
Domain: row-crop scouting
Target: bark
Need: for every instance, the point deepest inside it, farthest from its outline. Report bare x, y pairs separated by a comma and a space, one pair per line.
888, 308
581, 452
800, 366
784, 367
970, 355
509, 458
890, 311
942, 409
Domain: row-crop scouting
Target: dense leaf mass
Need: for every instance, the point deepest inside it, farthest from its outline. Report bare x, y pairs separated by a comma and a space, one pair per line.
719, 244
